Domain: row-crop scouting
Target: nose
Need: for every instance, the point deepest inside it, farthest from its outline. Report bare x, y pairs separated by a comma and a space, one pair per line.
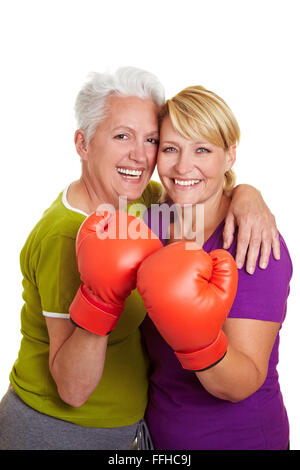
183, 163
137, 152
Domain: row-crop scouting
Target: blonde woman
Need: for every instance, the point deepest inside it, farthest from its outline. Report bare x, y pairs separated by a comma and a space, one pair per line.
214, 383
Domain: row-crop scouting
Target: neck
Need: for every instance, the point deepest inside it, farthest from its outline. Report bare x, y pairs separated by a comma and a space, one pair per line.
201, 220
84, 195
215, 211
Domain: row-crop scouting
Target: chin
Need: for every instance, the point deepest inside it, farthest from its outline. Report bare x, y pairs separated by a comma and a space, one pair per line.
131, 190
135, 194
181, 201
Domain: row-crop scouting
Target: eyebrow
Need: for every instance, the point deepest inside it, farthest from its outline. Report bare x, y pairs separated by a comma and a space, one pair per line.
168, 142
175, 143
130, 129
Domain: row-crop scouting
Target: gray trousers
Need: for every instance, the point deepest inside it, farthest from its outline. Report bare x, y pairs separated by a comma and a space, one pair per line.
23, 428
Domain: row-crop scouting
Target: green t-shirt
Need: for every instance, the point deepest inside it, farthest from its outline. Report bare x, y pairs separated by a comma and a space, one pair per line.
50, 282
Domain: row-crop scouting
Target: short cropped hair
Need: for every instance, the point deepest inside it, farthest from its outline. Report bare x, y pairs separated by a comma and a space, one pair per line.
90, 105
197, 111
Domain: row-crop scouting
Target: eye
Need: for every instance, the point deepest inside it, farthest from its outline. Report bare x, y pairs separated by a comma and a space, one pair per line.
153, 141
169, 149
121, 137
202, 150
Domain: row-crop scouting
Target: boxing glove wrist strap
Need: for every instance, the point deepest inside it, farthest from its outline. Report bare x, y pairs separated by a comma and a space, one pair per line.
206, 357
92, 316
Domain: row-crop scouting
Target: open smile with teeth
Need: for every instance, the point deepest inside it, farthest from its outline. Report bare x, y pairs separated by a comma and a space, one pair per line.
185, 182
131, 174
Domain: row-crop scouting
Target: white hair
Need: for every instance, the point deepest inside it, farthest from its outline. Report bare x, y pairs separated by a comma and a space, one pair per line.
90, 105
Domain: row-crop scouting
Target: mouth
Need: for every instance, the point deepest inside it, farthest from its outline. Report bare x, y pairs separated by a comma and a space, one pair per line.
186, 184
130, 174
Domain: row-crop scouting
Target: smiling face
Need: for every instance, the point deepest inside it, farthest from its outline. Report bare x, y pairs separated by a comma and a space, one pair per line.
191, 172
121, 156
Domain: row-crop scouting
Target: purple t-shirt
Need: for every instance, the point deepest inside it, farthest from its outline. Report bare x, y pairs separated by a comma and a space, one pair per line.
181, 414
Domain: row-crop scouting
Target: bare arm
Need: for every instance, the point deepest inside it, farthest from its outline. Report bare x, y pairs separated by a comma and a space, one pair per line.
244, 368
76, 360
256, 228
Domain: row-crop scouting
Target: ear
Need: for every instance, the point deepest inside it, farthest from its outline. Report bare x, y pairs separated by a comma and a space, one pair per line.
81, 144
230, 157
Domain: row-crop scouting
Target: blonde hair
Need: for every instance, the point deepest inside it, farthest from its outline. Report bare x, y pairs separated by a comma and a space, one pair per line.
196, 111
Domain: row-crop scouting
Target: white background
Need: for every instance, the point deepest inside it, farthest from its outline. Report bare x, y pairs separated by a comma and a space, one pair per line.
246, 51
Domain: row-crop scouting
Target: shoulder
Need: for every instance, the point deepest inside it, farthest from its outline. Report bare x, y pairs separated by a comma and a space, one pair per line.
57, 227
263, 294
152, 193
57, 220
60, 219
282, 268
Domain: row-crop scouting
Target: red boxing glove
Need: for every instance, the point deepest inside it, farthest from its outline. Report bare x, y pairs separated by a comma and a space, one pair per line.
188, 295
109, 248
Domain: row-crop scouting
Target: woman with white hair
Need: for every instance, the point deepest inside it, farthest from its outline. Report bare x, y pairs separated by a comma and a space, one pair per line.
71, 388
